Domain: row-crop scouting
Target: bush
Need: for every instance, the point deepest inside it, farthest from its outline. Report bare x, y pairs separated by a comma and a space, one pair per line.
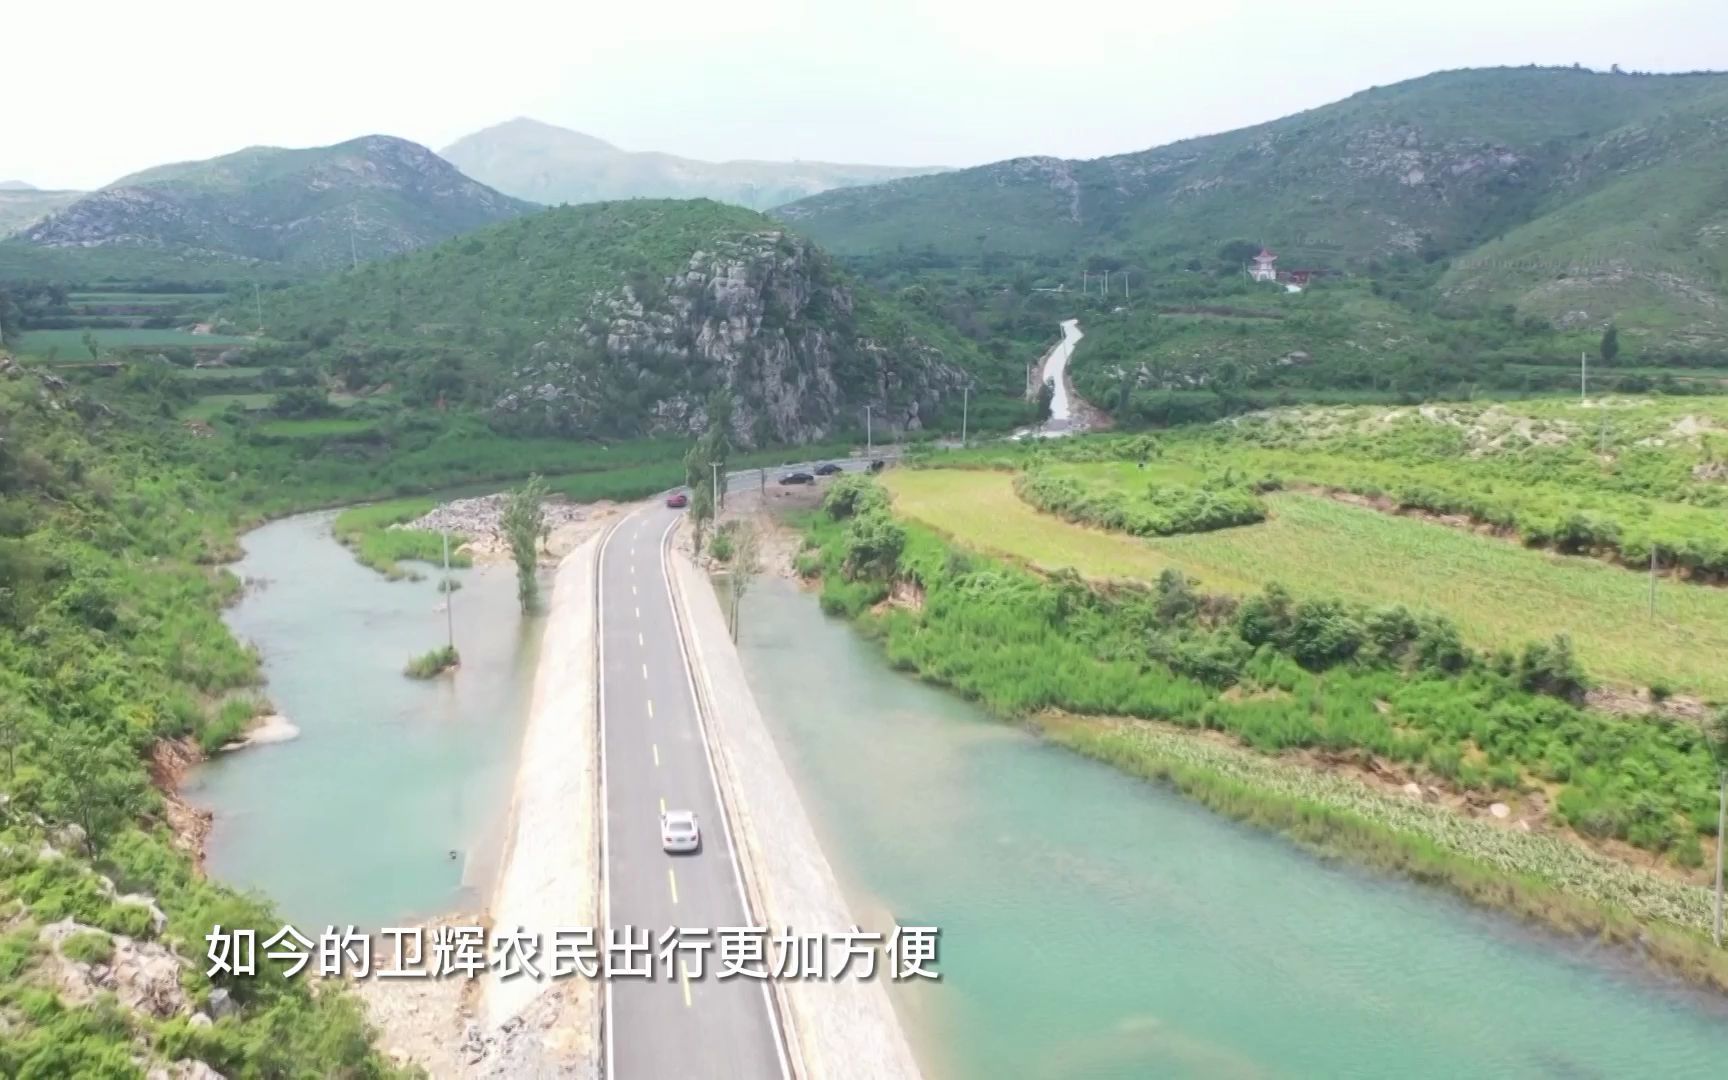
431, 664
88, 947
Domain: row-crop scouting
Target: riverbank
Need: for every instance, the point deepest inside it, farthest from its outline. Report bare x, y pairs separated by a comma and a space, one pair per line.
841, 1029
983, 629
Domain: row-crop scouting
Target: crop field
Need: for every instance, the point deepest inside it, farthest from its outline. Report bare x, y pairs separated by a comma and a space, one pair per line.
69, 344
1499, 593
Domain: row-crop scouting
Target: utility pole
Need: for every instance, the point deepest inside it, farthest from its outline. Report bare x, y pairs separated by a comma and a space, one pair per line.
1124, 284
259, 300
1085, 281
965, 403
869, 441
449, 596
1583, 376
1105, 293
715, 467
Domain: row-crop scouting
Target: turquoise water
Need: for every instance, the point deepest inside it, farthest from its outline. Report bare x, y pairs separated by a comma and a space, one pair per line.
1098, 926
356, 820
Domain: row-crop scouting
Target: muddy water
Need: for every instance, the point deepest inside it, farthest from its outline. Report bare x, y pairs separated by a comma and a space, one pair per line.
390, 804
1098, 926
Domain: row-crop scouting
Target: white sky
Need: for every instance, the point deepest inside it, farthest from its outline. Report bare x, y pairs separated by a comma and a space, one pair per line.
99, 89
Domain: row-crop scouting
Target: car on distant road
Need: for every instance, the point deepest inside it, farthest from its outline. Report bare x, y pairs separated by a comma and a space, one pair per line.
677, 500
828, 469
878, 465
679, 832
797, 478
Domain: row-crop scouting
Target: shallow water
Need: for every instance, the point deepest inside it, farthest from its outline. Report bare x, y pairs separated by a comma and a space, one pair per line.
1098, 926
357, 820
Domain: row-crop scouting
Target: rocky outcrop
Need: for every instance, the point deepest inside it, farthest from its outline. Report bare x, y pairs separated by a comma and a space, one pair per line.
763, 316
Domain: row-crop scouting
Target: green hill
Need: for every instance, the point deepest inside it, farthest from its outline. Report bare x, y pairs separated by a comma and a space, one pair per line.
549, 164
1549, 168
619, 319
262, 210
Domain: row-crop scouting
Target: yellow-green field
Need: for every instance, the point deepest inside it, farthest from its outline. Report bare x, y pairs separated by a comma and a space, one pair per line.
1498, 593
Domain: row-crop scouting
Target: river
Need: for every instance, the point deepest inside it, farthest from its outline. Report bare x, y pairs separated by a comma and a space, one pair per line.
1098, 926
390, 804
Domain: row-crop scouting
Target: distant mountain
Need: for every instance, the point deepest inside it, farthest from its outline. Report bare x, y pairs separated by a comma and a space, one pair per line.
22, 205
621, 319
300, 210
548, 164
1574, 196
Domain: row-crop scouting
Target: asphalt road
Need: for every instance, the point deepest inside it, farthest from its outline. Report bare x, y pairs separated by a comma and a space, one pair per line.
655, 756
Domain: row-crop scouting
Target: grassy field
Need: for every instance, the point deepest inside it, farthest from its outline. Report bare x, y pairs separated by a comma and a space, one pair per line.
70, 343
1498, 593
315, 428
211, 404
219, 374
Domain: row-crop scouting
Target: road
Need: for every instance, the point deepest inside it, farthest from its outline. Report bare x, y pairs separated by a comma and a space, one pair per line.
654, 755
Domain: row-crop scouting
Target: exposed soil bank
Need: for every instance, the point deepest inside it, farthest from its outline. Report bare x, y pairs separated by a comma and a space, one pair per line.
841, 1029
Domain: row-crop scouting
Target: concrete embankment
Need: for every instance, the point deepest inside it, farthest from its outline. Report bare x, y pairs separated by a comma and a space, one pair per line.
840, 1029
549, 873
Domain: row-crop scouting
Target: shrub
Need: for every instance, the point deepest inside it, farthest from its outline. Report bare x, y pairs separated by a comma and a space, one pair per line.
88, 947
432, 663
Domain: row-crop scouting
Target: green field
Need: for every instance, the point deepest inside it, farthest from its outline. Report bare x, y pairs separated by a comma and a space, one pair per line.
323, 428
1499, 594
219, 374
70, 343
211, 404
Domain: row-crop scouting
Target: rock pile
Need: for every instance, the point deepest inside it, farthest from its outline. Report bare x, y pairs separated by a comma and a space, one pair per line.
483, 516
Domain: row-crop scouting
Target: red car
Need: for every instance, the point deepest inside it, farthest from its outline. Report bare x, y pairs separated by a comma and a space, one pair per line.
677, 500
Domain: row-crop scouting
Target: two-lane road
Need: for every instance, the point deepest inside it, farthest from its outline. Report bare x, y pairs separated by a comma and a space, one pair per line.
654, 756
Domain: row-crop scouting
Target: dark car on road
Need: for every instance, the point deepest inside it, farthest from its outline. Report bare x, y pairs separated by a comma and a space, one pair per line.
677, 500
797, 478
827, 470
877, 465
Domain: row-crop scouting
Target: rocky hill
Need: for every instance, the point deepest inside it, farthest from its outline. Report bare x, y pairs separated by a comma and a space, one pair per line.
621, 318
301, 210
1572, 195
21, 205
552, 165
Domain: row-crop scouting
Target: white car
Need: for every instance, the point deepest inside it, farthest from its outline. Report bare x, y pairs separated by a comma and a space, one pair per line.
679, 831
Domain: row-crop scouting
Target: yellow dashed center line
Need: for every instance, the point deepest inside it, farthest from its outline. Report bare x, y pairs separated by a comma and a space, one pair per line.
684, 980
644, 671
663, 810
650, 708
656, 747
638, 613
632, 590
673, 880
639, 640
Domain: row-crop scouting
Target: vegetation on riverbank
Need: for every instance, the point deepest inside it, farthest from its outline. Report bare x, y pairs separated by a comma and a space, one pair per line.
374, 534
111, 641
1281, 675
433, 663
1500, 593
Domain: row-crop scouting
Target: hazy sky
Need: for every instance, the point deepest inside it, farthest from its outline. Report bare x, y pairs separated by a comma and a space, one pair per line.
97, 90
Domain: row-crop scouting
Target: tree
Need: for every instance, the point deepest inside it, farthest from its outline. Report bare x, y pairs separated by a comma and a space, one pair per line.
1046, 399
710, 449
1610, 343
524, 519
11, 730
89, 340
92, 781
745, 567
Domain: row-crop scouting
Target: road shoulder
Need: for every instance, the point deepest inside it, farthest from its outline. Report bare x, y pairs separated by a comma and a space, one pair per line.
840, 1029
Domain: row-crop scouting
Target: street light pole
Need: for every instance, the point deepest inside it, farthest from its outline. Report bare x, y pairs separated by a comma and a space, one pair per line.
869, 441
715, 466
449, 595
965, 404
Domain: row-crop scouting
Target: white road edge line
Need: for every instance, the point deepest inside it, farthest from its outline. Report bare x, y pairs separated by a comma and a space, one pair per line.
714, 779
606, 1022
